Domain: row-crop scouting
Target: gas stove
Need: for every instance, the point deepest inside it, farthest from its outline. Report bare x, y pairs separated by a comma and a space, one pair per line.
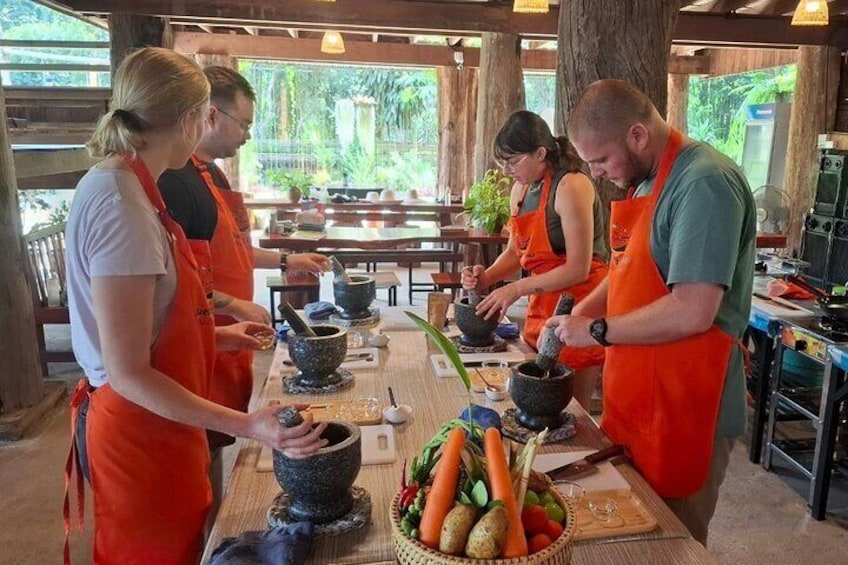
812, 335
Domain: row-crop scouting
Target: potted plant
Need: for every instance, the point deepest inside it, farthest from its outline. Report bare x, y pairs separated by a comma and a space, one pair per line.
298, 183
488, 202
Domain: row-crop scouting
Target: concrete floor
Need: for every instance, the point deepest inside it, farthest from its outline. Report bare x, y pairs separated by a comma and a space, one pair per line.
760, 518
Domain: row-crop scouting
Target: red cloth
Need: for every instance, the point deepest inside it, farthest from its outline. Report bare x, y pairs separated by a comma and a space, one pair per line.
786, 289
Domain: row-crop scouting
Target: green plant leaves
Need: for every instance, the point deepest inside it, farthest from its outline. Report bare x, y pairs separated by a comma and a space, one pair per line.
488, 201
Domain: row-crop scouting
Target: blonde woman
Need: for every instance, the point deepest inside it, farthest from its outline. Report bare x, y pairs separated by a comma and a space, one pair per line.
142, 328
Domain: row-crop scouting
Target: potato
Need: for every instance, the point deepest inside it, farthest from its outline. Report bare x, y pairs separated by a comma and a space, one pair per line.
455, 528
488, 535
538, 482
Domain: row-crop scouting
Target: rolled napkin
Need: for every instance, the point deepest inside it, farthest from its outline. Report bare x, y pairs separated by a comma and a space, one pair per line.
285, 545
788, 290
507, 331
320, 310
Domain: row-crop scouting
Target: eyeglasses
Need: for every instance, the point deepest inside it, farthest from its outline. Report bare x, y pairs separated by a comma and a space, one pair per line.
245, 128
510, 165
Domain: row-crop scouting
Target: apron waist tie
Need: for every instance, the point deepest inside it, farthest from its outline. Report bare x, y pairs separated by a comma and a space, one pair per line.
72, 464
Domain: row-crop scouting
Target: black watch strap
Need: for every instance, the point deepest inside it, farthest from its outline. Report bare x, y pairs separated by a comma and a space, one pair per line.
598, 330
284, 262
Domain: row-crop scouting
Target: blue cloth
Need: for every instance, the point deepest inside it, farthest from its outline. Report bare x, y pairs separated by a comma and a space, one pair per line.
482, 416
507, 331
319, 310
285, 545
283, 332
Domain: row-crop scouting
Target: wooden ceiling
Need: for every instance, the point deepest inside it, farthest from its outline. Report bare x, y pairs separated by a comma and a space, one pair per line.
750, 23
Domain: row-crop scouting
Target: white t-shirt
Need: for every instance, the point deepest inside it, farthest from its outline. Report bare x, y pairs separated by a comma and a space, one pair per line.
112, 229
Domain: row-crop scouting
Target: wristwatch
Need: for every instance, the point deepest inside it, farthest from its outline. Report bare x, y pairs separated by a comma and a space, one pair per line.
598, 330
284, 262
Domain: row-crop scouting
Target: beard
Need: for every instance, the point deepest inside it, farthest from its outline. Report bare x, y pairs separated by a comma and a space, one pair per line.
637, 172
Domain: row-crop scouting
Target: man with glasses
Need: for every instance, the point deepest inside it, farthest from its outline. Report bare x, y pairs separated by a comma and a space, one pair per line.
215, 221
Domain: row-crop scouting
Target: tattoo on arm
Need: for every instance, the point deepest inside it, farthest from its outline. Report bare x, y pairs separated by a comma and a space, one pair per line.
220, 300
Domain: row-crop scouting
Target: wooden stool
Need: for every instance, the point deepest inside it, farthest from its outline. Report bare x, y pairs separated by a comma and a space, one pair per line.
304, 286
384, 280
447, 281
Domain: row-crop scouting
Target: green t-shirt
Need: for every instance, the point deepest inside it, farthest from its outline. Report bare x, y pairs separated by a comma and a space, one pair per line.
704, 230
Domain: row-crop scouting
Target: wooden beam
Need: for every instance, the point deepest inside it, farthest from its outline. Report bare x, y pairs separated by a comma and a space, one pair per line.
734, 61
463, 18
364, 52
40, 162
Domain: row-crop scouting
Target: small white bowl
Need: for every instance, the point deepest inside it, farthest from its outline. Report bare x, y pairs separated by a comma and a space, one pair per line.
378, 340
496, 395
397, 415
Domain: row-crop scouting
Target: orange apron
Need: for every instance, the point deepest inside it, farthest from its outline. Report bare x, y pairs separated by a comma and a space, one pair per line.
149, 475
530, 234
232, 261
660, 401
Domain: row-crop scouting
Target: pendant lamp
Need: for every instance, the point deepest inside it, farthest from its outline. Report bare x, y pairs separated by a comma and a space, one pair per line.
530, 6
332, 43
811, 13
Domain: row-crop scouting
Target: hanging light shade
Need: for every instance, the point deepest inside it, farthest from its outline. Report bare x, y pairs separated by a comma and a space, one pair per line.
332, 43
811, 13
530, 6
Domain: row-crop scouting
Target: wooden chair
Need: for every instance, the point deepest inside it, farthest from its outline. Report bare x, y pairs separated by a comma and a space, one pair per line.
46, 253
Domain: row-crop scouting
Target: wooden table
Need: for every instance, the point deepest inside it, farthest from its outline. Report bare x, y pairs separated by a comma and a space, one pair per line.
380, 238
403, 367
363, 210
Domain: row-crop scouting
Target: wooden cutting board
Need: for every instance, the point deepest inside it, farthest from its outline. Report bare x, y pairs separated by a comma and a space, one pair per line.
631, 517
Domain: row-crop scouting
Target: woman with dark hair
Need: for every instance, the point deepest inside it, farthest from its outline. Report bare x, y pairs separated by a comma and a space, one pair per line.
555, 234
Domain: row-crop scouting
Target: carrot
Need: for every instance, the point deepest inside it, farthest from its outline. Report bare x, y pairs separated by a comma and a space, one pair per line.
500, 485
441, 496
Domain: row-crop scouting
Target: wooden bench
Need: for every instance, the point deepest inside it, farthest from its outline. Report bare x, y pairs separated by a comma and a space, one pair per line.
296, 288
409, 256
46, 253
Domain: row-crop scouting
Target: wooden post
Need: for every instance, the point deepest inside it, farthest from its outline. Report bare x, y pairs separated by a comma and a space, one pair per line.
499, 94
678, 101
457, 123
632, 45
128, 32
813, 112
842, 100
20, 375
230, 166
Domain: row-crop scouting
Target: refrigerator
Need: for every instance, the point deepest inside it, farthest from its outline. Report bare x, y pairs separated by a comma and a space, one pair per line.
764, 147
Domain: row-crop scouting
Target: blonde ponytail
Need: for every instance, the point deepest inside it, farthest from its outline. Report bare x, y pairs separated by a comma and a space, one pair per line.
154, 88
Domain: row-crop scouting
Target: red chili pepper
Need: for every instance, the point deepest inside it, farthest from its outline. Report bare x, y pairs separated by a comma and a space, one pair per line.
407, 496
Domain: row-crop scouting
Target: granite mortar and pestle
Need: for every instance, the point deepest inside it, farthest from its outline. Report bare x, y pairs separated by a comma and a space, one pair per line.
354, 296
476, 330
541, 389
319, 486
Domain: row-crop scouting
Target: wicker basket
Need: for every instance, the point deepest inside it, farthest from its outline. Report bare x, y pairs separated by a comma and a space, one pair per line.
412, 552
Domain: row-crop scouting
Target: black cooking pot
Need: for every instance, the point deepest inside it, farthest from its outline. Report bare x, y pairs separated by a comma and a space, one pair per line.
833, 306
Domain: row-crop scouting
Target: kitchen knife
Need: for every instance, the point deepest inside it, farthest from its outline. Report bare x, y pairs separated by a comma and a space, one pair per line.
468, 364
585, 466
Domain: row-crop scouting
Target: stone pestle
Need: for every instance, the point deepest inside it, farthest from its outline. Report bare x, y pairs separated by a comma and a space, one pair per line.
474, 297
339, 272
295, 321
289, 417
550, 345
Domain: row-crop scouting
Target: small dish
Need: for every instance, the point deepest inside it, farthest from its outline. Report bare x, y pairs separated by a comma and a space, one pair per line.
496, 393
398, 414
569, 490
603, 509
378, 340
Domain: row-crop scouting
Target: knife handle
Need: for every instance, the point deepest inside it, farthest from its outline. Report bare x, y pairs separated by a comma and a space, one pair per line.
605, 454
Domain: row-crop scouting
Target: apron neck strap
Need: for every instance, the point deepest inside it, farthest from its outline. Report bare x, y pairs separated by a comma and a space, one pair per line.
672, 148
